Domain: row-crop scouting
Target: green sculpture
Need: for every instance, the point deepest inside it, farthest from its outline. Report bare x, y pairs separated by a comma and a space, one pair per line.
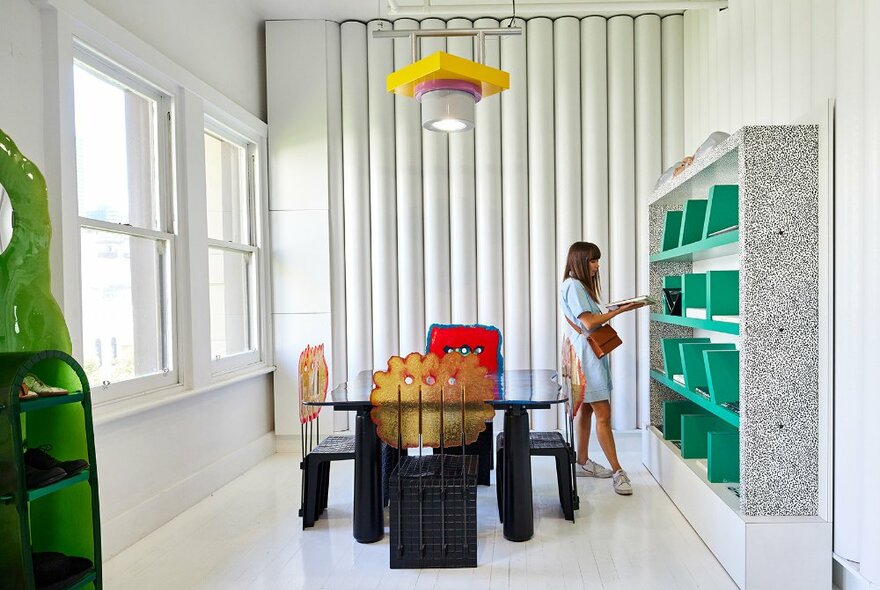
30, 318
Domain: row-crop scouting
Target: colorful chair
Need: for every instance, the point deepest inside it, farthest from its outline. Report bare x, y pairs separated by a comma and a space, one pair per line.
484, 342
317, 458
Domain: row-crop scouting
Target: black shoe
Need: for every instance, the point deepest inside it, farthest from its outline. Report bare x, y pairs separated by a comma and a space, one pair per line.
40, 459
54, 571
38, 478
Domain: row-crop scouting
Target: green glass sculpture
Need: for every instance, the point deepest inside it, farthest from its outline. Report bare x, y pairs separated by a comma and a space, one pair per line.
30, 318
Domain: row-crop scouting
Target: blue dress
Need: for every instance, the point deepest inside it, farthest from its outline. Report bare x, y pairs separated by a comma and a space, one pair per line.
573, 301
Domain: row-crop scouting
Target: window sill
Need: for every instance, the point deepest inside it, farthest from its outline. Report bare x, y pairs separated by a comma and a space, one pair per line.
110, 411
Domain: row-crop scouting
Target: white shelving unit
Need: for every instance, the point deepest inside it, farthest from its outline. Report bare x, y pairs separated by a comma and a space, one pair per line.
773, 529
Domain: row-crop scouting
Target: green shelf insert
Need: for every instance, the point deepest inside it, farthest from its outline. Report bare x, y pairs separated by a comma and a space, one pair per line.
721, 245
731, 418
672, 282
722, 370
671, 230
58, 485
672, 354
673, 409
723, 451
49, 402
711, 325
693, 364
693, 292
695, 429
723, 210
722, 293
89, 578
693, 221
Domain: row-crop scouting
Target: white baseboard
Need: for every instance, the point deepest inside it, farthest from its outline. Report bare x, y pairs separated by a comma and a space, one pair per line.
847, 576
288, 443
136, 523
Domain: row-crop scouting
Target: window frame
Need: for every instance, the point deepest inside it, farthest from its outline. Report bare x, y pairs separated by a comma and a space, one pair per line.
90, 58
241, 360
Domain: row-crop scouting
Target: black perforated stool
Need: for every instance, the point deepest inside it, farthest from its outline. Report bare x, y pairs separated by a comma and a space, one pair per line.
544, 444
316, 475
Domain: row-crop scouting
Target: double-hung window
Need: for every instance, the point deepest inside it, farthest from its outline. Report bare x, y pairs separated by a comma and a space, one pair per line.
126, 226
230, 179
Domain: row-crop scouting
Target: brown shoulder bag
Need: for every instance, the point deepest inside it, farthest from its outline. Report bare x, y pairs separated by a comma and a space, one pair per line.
602, 340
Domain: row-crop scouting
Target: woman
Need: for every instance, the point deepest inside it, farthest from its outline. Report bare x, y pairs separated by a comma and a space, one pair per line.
578, 299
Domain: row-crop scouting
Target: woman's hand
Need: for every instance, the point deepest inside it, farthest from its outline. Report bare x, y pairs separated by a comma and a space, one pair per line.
628, 307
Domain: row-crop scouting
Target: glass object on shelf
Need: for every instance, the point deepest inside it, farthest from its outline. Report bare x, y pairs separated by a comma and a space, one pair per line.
30, 318
125, 302
229, 278
117, 156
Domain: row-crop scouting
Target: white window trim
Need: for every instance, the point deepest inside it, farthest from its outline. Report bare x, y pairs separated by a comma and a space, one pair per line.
193, 100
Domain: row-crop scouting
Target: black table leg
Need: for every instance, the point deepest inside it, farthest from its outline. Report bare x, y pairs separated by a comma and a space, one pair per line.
368, 516
517, 503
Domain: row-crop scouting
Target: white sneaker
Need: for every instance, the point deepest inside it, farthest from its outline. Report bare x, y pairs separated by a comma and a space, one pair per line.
592, 469
621, 483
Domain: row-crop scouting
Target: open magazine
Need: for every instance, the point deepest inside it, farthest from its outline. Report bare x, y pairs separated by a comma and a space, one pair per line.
640, 299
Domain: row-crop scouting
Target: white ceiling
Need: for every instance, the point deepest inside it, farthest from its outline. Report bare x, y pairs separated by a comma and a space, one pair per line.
363, 10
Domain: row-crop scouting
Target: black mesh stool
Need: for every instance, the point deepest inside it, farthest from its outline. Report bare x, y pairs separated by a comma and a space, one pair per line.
544, 444
316, 475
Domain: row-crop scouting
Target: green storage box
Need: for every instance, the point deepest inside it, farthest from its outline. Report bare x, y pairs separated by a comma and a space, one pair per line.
692, 363
673, 410
722, 213
693, 292
693, 221
723, 457
722, 293
695, 429
671, 230
722, 372
672, 353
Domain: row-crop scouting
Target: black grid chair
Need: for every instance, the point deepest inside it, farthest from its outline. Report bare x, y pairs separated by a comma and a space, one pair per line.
315, 465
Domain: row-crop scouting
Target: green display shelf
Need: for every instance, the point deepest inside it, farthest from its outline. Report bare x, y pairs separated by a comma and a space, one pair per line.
695, 430
711, 325
693, 221
720, 245
694, 365
722, 371
671, 230
722, 412
672, 353
673, 410
723, 457
722, 293
723, 210
59, 485
50, 402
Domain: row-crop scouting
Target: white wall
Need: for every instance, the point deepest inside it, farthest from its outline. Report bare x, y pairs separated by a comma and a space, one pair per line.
529, 198
772, 63
221, 41
157, 459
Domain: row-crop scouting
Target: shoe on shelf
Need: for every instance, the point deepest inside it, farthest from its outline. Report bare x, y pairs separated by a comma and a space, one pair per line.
34, 384
40, 458
622, 484
592, 469
55, 571
25, 394
37, 478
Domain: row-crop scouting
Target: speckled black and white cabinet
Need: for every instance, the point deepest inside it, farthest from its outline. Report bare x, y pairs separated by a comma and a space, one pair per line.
777, 169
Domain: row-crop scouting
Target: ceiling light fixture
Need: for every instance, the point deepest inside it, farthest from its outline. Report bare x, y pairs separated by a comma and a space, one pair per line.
448, 86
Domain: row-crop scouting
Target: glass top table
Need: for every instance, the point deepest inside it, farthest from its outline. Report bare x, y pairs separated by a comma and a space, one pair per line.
520, 390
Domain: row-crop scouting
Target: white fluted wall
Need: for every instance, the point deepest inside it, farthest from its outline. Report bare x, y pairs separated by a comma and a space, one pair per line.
476, 226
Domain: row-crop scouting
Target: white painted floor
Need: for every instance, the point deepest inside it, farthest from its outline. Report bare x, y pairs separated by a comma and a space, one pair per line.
247, 535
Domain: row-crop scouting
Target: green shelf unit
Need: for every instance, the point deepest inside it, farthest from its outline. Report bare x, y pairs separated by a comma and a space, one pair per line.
731, 418
721, 245
722, 372
693, 292
710, 325
672, 353
695, 429
723, 457
673, 410
722, 293
693, 222
723, 210
671, 230
63, 517
693, 364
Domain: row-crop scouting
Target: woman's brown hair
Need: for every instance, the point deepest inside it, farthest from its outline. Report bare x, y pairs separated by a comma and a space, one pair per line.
578, 267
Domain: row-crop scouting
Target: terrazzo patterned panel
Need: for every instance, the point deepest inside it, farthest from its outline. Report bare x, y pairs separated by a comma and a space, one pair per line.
779, 305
